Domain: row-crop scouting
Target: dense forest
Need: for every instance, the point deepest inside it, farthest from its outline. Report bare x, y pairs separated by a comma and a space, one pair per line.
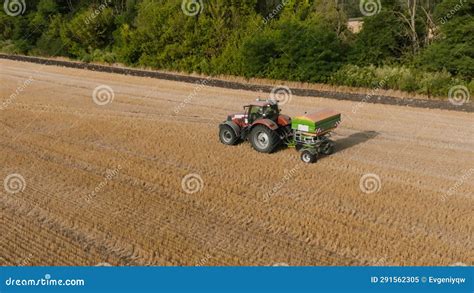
422, 46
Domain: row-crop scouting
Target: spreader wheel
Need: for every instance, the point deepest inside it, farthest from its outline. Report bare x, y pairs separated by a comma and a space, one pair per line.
308, 157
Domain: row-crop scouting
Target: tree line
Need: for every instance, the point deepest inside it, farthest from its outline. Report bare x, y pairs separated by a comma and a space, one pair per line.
422, 46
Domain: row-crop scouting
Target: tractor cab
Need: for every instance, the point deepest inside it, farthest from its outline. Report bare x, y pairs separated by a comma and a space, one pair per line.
261, 110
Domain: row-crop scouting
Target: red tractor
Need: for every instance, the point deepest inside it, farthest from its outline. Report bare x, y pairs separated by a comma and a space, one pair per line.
261, 123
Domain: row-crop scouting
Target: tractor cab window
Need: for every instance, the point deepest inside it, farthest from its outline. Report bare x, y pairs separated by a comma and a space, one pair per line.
270, 112
256, 110
254, 113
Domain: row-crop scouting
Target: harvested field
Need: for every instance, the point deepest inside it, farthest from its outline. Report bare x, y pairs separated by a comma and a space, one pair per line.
104, 184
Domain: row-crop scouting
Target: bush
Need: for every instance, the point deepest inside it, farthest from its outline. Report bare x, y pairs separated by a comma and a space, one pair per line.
8, 47
436, 84
398, 78
355, 76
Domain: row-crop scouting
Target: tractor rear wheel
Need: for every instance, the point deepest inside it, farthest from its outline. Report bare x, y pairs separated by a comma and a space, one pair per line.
308, 157
227, 135
263, 139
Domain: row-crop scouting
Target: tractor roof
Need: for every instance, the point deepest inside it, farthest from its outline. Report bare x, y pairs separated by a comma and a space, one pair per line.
262, 103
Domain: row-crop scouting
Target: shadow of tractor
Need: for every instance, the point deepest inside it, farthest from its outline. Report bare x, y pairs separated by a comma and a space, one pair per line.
354, 139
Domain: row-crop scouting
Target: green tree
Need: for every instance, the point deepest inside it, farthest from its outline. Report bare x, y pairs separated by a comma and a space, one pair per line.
295, 51
89, 30
453, 50
381, 40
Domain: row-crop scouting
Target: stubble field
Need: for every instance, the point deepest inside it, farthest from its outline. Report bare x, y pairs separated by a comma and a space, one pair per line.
143, 180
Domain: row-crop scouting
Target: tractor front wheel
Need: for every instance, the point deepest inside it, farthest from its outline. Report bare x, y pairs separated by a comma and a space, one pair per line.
227, 135
263, 139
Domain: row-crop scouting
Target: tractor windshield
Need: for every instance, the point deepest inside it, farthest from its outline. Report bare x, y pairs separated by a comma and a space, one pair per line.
254, 113
267, 111
270, 112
